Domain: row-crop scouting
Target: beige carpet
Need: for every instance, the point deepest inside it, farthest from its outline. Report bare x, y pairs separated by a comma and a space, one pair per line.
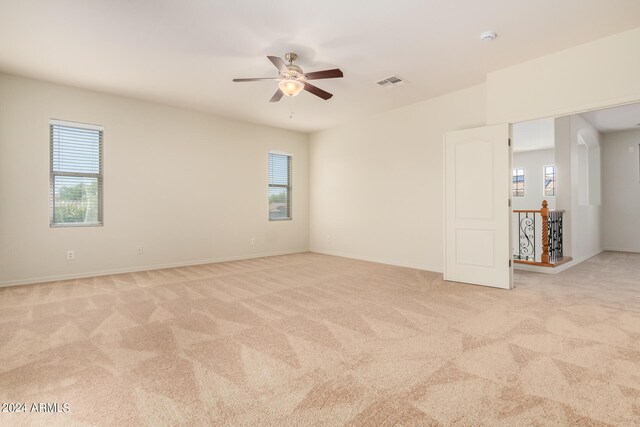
311, 339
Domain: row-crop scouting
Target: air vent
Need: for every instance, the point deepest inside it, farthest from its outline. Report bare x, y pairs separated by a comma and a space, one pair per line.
391, 82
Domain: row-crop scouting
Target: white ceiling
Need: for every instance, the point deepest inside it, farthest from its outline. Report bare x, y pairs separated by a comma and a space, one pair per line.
185, 53
533, 135
615, 119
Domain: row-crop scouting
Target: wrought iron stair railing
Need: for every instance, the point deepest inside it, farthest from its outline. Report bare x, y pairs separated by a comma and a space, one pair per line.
544, 248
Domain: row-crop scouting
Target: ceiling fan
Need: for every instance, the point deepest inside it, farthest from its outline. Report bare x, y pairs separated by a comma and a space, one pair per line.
292, 79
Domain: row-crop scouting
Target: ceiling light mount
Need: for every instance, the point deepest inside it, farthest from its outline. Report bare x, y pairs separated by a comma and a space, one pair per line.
290, 56
487, 36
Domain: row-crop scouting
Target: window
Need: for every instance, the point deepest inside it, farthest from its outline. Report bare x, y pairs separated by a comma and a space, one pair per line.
518, 183
550, 180
76, 174
279, 186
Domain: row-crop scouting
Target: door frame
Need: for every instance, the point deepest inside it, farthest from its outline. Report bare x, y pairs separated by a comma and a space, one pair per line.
540, 115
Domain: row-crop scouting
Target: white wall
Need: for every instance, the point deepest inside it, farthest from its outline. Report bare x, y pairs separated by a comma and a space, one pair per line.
594, 75
377, 184
582, 219
587, 214
564, 197
621, 190
186, 186
533, 162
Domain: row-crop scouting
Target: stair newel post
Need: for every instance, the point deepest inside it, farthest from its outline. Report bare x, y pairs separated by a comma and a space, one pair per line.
544, 213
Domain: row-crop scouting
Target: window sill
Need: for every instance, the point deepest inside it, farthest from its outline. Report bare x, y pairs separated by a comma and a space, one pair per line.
72, 225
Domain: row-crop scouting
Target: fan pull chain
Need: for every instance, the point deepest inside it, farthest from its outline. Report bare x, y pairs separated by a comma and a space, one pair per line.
290, 105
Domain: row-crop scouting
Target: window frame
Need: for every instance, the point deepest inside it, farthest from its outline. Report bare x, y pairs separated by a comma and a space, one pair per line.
288, 186
544, 179
514, 173
98, 176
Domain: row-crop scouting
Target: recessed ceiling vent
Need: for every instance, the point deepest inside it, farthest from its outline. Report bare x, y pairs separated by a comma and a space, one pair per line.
391, 82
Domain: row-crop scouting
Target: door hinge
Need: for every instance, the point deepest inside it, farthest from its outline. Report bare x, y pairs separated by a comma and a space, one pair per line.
509, 263
509, 202
509, 142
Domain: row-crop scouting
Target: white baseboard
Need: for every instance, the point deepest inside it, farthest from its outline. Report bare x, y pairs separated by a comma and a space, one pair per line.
44, 279
373, 259
632, 250
534, 268
556, 270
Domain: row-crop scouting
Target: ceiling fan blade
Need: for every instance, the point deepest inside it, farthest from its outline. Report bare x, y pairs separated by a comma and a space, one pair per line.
325, 74
254, 79
279, 63
317, 91
276, 96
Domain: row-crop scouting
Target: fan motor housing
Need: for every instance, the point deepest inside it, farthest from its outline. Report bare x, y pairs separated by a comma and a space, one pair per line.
294, 71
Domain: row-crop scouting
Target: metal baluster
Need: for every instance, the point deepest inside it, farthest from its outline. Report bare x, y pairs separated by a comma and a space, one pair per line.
560, 249
519, 238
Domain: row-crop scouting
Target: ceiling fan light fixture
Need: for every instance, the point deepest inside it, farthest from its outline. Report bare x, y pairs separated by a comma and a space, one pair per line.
292, 79
291, 87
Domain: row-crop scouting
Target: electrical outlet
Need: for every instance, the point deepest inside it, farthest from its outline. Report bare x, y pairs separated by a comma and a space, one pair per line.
140, 250
253, 241
71, 255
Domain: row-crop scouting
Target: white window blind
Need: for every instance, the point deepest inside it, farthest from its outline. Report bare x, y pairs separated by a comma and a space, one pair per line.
76, 174
279, 186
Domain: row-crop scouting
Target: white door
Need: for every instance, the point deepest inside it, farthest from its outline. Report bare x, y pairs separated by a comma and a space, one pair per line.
477, 211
